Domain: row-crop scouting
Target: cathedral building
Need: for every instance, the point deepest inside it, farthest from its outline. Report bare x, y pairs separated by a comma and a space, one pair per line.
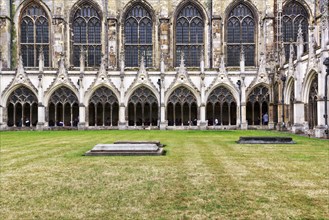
155, 64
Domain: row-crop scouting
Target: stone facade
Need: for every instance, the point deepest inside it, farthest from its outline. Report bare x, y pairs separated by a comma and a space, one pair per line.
291, 79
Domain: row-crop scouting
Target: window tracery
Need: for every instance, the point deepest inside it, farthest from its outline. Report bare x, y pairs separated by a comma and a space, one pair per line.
87, 31
34, 35
293, 15
241, 36
138, 36
189, 35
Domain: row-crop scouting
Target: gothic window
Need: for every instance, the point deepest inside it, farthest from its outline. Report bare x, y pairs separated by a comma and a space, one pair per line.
257, 105
103, 108
138, 37
240, 36
87, 29
221, 107
34, 35
142, 108
63, 108
182, 108
189, 35
22, 107
293, 16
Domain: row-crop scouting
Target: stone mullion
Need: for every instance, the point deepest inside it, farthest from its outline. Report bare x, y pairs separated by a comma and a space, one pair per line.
23, 120
174, 111
182, 114
95, 114
253, 113
151, 114
260, 113
213, 113
189, 115
63, 114
14, 115
143, 118
229, 113
55, 114
31, 115
103, 105
71, 111
135, 114
111, 115
221, 113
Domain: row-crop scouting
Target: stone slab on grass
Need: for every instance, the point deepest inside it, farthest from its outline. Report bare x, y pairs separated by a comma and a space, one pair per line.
265, 140
125, 150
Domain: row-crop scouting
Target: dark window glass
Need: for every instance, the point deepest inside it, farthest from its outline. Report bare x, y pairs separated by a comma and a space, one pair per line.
34, 35
240, 35
87, 30
189, 35
293, 15
138, 37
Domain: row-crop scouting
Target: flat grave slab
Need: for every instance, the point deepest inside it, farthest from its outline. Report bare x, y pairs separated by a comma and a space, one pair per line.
140, 142
265, 140
125, 150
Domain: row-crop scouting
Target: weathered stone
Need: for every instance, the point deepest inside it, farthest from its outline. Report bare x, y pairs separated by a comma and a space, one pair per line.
265, 140
122, 149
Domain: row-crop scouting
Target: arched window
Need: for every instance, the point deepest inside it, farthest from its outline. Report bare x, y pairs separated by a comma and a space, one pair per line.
87, 30
34, 35
138, 36
108, 113
257, 105
189, 35
142, 108
217, 114
63, 108
182, 108
293, 15
22, 108
240, 36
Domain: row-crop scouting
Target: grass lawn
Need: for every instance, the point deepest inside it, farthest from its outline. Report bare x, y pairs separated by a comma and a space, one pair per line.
205, 175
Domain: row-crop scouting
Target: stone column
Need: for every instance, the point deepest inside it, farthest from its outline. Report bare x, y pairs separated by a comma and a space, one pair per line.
122, 109
299, 113
320, 128
203, 122
82, 107
244, 124
41, 107
163, 122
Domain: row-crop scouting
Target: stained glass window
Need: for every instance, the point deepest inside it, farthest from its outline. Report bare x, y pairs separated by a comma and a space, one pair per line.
34, 35
189, 35
240, 36
87, 29
138, 37
293, 15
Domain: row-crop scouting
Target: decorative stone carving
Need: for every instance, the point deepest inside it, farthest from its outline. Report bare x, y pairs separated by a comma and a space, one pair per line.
112, 39
182, 76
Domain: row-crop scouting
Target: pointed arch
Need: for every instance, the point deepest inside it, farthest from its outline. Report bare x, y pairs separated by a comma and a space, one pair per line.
241, 33
103, 107
182, 107
189, 32
258, 100
142, 107
22, 107
63, 107
86, 20
221, 107
294, 13
34, 27
139, 22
